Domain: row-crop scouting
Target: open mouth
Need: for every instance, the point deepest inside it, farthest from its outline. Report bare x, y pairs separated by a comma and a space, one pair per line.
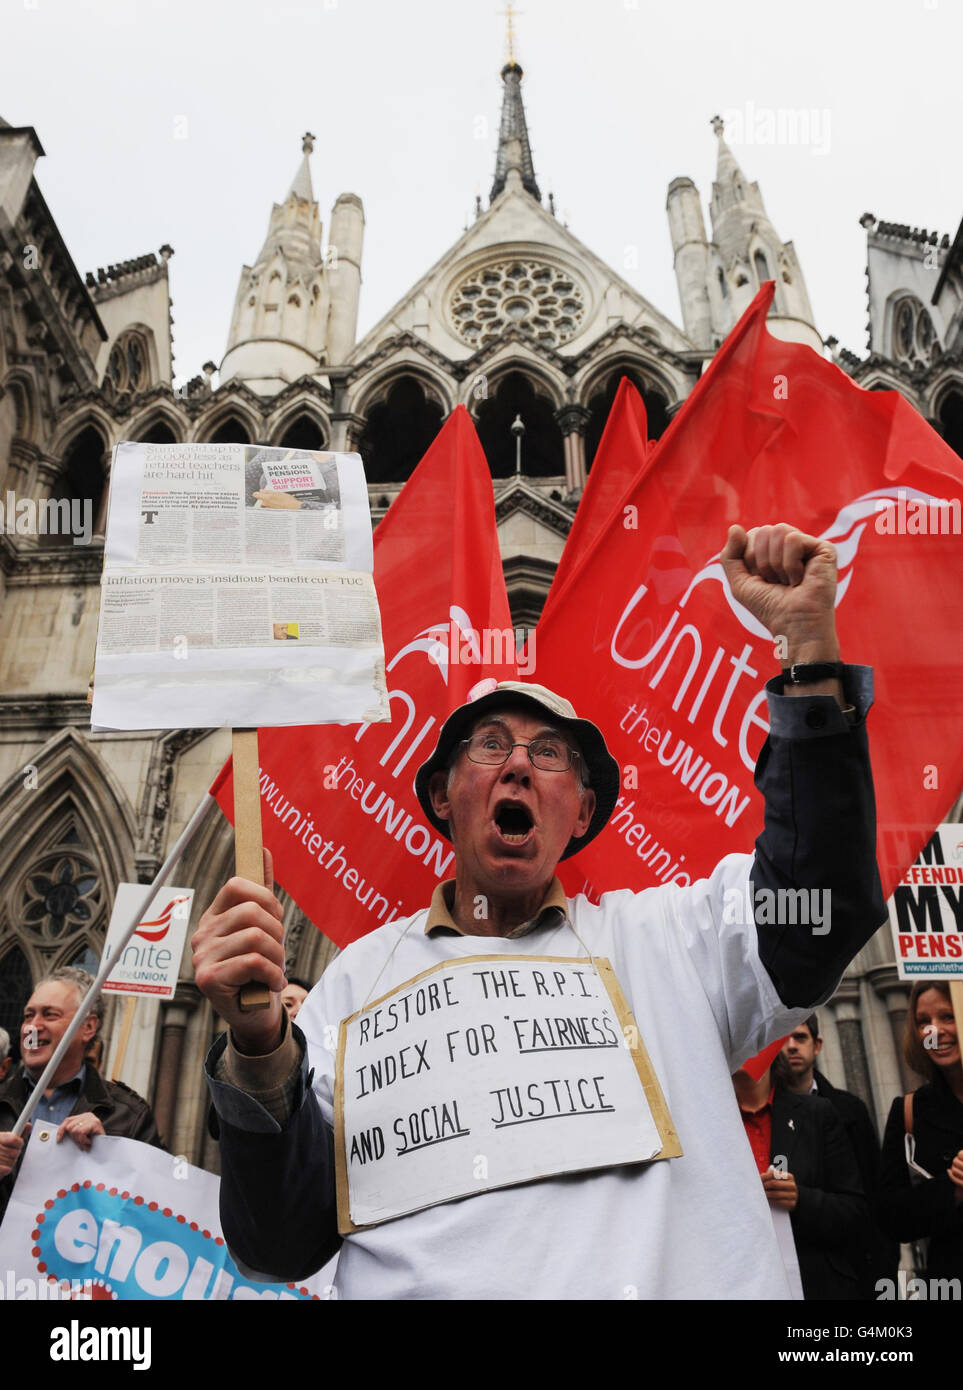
514, 823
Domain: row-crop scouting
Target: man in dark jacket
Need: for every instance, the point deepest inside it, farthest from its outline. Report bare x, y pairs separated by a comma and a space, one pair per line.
807, 1168
78, 1100
874, 1254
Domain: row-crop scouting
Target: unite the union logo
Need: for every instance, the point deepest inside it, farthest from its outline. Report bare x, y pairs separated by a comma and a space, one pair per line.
845, 533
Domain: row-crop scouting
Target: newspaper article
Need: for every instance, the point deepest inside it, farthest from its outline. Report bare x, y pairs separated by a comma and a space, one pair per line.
237, 590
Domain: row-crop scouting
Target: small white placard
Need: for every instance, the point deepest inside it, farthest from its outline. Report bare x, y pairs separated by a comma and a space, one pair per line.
152, 957
482, 1073
926, 910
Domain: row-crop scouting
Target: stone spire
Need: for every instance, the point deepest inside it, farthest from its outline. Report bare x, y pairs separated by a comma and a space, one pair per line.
278, 327
301, 187
736, 202
746, 251
514, 150
727, 167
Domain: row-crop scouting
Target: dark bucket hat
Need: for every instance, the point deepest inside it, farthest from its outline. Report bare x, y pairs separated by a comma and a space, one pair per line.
600, 770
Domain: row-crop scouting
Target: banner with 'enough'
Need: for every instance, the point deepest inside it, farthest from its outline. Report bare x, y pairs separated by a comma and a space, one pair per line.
122, 1221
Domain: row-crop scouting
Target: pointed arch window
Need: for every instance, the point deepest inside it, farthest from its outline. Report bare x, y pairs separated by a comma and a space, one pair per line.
398, 432
762, 267
600, 403
230, 431
158, 433
720, 276
542, 452
950, 416
79, 487
303, 432
65, 852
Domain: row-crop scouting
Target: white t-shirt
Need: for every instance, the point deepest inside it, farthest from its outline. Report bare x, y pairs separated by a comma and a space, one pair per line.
691, 1227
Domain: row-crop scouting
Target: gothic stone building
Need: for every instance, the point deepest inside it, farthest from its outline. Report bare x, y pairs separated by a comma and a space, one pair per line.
518, 317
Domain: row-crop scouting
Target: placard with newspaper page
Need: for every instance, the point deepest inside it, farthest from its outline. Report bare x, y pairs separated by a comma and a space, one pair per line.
237, 590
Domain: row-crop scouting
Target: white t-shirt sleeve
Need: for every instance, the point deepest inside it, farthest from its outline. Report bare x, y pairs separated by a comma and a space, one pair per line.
714, 921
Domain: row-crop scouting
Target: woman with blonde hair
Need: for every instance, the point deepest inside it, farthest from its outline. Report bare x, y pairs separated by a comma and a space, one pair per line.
920, 1197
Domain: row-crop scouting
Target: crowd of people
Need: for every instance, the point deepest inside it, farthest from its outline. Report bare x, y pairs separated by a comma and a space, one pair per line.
851, 1202
517, 782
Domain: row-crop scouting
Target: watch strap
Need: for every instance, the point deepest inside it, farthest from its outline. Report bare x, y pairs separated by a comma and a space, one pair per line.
807, 673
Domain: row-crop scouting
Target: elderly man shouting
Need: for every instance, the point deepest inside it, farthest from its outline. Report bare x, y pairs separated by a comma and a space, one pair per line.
518, 782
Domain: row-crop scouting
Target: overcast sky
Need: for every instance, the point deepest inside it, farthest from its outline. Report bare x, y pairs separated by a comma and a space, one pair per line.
180, 121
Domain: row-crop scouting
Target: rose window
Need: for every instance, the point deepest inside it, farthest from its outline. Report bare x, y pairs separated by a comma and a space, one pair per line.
61, 893
546, 304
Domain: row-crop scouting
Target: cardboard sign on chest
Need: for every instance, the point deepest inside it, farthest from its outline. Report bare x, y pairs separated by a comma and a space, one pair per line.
458, 1081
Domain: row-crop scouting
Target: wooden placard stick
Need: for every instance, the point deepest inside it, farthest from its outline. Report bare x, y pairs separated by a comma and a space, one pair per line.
248, 845
130, 1004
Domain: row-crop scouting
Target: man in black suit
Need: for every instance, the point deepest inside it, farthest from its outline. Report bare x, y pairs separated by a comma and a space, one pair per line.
807, 1168
875, 1255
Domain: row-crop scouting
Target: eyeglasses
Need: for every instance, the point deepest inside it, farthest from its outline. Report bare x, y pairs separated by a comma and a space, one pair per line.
548, 754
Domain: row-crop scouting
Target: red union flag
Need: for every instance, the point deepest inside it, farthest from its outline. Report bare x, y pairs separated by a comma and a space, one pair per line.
338, 806
646, 638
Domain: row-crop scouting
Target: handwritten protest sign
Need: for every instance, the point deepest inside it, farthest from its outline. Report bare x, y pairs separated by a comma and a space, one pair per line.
926, 910
468, 1077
